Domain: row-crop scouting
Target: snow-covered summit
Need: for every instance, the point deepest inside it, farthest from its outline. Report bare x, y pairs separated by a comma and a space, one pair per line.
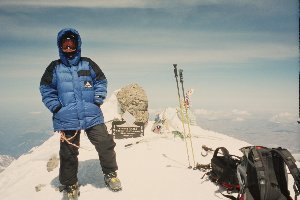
152, 167
111, 107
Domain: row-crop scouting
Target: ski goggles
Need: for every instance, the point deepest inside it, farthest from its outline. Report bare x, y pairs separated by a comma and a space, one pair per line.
68, 45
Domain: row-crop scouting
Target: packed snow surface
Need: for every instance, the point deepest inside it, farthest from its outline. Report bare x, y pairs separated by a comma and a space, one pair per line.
154, 167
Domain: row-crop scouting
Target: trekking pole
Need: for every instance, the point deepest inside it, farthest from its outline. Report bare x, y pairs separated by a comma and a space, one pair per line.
299, 80
299, 95
181, 114
187, 115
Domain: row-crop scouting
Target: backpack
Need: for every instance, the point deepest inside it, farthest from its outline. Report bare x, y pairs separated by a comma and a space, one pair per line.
223, 170
262, 174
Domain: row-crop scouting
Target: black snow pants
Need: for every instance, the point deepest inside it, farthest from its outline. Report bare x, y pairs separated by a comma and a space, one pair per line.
104, 145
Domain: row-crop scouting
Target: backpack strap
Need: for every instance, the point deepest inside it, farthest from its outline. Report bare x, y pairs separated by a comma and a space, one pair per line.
247, 195
260, 171
224, 151
229, 196
290, 162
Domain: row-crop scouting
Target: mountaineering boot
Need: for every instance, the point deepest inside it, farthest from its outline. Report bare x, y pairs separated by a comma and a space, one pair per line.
71, 192
112, 182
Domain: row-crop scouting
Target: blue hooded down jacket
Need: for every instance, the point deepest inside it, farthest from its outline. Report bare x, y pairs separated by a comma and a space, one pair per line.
73, 88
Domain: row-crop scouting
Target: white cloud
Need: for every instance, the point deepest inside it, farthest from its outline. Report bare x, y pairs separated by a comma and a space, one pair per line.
77, 3
240, 112
234, 115
155, 57
223, 47
212, 115
162, 46
162, 49
238, 119
284, 117
133, 3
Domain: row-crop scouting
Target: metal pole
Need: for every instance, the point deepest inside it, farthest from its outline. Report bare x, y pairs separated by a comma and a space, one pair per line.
181, 114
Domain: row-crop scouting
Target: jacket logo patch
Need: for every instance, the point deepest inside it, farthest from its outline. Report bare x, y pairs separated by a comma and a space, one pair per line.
87, 84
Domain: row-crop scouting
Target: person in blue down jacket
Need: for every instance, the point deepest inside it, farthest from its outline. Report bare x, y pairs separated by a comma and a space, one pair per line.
73, 88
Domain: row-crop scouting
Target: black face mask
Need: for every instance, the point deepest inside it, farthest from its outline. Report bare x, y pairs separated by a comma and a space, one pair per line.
70, 55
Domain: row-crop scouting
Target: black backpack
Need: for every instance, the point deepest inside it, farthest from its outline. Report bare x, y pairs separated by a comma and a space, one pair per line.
262, 174
223, 169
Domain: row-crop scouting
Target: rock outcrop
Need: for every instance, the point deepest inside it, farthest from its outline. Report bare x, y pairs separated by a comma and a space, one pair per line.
133, 98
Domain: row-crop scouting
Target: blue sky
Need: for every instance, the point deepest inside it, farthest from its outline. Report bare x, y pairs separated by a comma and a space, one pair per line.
236, 54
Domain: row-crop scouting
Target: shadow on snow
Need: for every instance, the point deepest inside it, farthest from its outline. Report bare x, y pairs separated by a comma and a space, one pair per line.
89, 172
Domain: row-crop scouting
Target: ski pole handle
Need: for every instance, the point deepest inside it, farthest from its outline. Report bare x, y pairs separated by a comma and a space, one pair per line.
175, 70
181, 75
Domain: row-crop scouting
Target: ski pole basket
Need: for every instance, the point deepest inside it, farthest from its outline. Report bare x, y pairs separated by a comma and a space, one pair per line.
120, 131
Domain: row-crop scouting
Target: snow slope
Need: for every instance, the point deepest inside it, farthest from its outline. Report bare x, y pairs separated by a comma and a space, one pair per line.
155, 168
5, 161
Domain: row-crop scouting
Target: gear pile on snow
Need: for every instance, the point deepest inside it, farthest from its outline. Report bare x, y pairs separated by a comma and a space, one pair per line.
259, 175
223, 169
